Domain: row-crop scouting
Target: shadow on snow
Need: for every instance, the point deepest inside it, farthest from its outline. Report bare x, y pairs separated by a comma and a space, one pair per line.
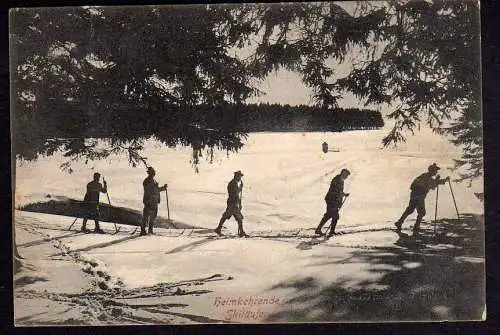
144, 305
440, 277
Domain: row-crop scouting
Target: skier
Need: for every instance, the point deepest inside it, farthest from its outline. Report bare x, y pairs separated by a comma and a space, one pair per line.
92, 203
419, 189
333, 200
151, 199
234, 190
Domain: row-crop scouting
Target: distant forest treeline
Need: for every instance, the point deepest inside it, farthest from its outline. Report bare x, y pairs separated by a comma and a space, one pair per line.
220, 126
227, 118
274, 117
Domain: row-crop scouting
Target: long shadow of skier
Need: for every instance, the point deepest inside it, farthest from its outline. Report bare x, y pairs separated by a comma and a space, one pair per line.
101, 245
191, 246
48, 239
307, 245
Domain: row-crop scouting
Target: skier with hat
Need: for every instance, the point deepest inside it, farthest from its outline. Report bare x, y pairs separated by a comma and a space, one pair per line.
419, 189
234, 190
94, 188
151, 199
334, 200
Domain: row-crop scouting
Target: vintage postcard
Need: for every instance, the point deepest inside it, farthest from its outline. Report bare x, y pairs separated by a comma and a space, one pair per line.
247, 163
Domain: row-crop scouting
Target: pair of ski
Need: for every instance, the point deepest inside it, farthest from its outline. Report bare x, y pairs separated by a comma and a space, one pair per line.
102, 232
327, 236
220, 235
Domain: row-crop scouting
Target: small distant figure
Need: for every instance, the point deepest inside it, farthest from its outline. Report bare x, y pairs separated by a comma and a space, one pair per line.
151, 199
94, 188
419, 189
234, 190
324, 147
334, 199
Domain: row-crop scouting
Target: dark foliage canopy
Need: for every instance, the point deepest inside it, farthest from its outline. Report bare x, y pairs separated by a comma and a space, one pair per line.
76, 66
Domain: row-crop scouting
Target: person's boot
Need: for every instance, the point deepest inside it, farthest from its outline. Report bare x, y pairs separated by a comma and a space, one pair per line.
402, 219
219, 227
144, 223
241, 232
98, 230
332, 230
84, 227
318, 229
84, 230
331, 233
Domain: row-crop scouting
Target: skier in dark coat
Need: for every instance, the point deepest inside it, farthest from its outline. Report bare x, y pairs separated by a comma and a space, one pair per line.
234, 190
419, 189
333, 200
151, 199
94, 188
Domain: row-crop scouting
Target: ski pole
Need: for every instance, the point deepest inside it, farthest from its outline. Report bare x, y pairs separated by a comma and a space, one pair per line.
168, 207
345, 198
107, 194
168, 210
436, 208
109, 202
73, 223
241, 193
453, 196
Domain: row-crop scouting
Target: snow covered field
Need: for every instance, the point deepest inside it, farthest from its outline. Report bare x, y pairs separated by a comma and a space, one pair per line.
286, 178
198, 278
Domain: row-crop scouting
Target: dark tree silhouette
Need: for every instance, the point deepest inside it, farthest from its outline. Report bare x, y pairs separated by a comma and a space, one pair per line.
423, 57
75, 68
78, 68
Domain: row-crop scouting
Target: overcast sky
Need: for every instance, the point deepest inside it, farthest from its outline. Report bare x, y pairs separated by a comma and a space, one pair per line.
286, 87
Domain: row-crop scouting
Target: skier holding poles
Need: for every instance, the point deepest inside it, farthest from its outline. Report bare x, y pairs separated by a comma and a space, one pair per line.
419, 189
92, 203
151, 199
334, 199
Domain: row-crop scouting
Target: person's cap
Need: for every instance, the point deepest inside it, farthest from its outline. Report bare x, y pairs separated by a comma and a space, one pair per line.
238, 173
345, 171
433, 167
97, 175
150, 168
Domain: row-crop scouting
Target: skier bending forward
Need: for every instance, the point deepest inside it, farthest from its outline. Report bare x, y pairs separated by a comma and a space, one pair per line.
419, 189
333, 200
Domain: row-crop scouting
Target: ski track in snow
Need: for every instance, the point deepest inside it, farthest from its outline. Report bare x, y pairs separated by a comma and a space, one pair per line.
108, 302
287, 236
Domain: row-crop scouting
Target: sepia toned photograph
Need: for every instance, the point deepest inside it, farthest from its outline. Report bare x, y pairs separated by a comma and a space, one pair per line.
309, 162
